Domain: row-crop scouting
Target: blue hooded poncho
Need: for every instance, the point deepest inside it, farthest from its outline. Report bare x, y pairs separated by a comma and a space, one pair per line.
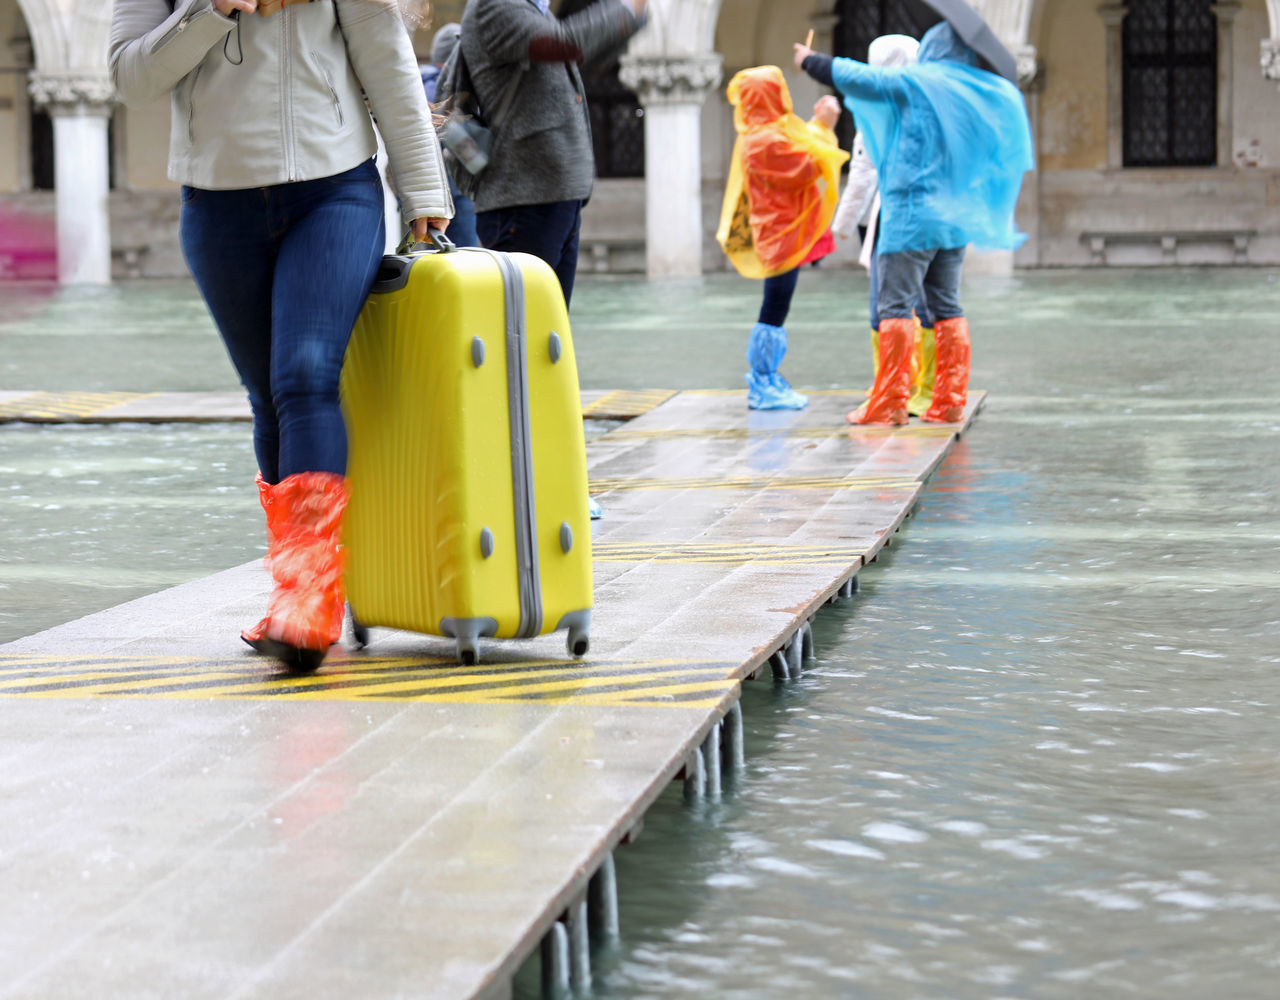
950, 143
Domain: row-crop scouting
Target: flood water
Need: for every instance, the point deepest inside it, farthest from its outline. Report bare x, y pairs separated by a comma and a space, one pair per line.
1037, 756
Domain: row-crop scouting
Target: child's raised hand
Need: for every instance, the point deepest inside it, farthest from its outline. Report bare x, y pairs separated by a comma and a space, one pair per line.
827, 110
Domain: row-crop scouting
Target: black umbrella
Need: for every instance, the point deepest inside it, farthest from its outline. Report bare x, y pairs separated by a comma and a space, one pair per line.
972, 29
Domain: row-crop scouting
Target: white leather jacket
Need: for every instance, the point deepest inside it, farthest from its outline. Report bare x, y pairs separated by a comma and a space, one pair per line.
260, 100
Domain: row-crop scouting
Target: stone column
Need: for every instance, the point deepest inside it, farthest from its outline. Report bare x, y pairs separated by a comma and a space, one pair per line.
1031, 83
1226, 12
80, 106
1113, 15
672, 90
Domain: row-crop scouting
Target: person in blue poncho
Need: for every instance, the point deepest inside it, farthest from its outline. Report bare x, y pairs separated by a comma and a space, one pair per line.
950, 143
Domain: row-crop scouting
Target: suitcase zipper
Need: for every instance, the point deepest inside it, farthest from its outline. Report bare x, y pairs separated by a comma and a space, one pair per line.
521, 450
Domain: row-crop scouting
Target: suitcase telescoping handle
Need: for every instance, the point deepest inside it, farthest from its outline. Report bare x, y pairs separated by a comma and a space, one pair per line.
440, 243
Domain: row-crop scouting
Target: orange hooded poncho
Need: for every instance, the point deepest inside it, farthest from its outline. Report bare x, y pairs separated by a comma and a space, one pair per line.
783, 183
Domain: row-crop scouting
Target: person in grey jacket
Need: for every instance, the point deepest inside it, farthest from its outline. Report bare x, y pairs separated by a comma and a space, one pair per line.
541, 171
282, 227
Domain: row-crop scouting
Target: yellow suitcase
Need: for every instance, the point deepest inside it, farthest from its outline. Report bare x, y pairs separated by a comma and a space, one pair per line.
467, 472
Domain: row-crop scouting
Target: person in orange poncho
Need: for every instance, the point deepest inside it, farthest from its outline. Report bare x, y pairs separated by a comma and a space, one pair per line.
782, 192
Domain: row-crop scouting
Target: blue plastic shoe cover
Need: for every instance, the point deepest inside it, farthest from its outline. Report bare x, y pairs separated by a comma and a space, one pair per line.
766, 348
771, 392
766, 388
595, 509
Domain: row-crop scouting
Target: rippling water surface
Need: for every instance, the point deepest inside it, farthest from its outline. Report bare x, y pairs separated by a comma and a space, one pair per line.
1037, 756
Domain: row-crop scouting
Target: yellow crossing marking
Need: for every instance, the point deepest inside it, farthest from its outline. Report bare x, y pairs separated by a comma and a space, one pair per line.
858, 393
65, 405
678, 683
724, 553
14, 663
672, 693
761, 433
757, 483
622, 404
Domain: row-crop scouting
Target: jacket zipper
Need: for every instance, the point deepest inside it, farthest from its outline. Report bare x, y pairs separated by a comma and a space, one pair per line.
333, 91
172, 33
286, 95
191, 105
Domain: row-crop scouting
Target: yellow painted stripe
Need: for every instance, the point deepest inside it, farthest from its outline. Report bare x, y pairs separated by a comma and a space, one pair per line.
362, 665
660, 693
81, 685
721, 433
851, 393
381, 679
359, 684
597, 699
858, 394
627, 403
722, 554
14, 666
65, 405
926, 431
398, 690
756, 483
100, 675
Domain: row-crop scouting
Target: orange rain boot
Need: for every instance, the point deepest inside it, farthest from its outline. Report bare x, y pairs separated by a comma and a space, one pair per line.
951, 385
875, 359
304, 614
275, 514
266, 497
888, 402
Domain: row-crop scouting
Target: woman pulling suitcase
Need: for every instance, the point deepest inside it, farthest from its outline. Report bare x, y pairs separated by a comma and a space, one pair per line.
282, 228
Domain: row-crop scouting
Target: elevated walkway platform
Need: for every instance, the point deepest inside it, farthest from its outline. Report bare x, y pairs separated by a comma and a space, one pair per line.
180, 821
17, 406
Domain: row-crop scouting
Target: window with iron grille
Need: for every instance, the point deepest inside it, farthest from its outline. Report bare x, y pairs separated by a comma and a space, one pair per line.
861, 21
1170, 84
617, 120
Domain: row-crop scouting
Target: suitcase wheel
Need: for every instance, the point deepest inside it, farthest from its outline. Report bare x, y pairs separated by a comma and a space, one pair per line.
359, 633
468, 652
578, 643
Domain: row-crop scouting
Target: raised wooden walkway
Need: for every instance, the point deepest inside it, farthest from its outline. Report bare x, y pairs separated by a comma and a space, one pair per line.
179, 822
37, 407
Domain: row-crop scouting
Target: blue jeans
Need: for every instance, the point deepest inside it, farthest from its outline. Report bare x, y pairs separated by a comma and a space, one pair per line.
548, 231
922, 311
285, 271
462, 227
778, 291
905, 275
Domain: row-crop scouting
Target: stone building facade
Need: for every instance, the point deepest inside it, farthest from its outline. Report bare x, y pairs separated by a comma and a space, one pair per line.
1155, 125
